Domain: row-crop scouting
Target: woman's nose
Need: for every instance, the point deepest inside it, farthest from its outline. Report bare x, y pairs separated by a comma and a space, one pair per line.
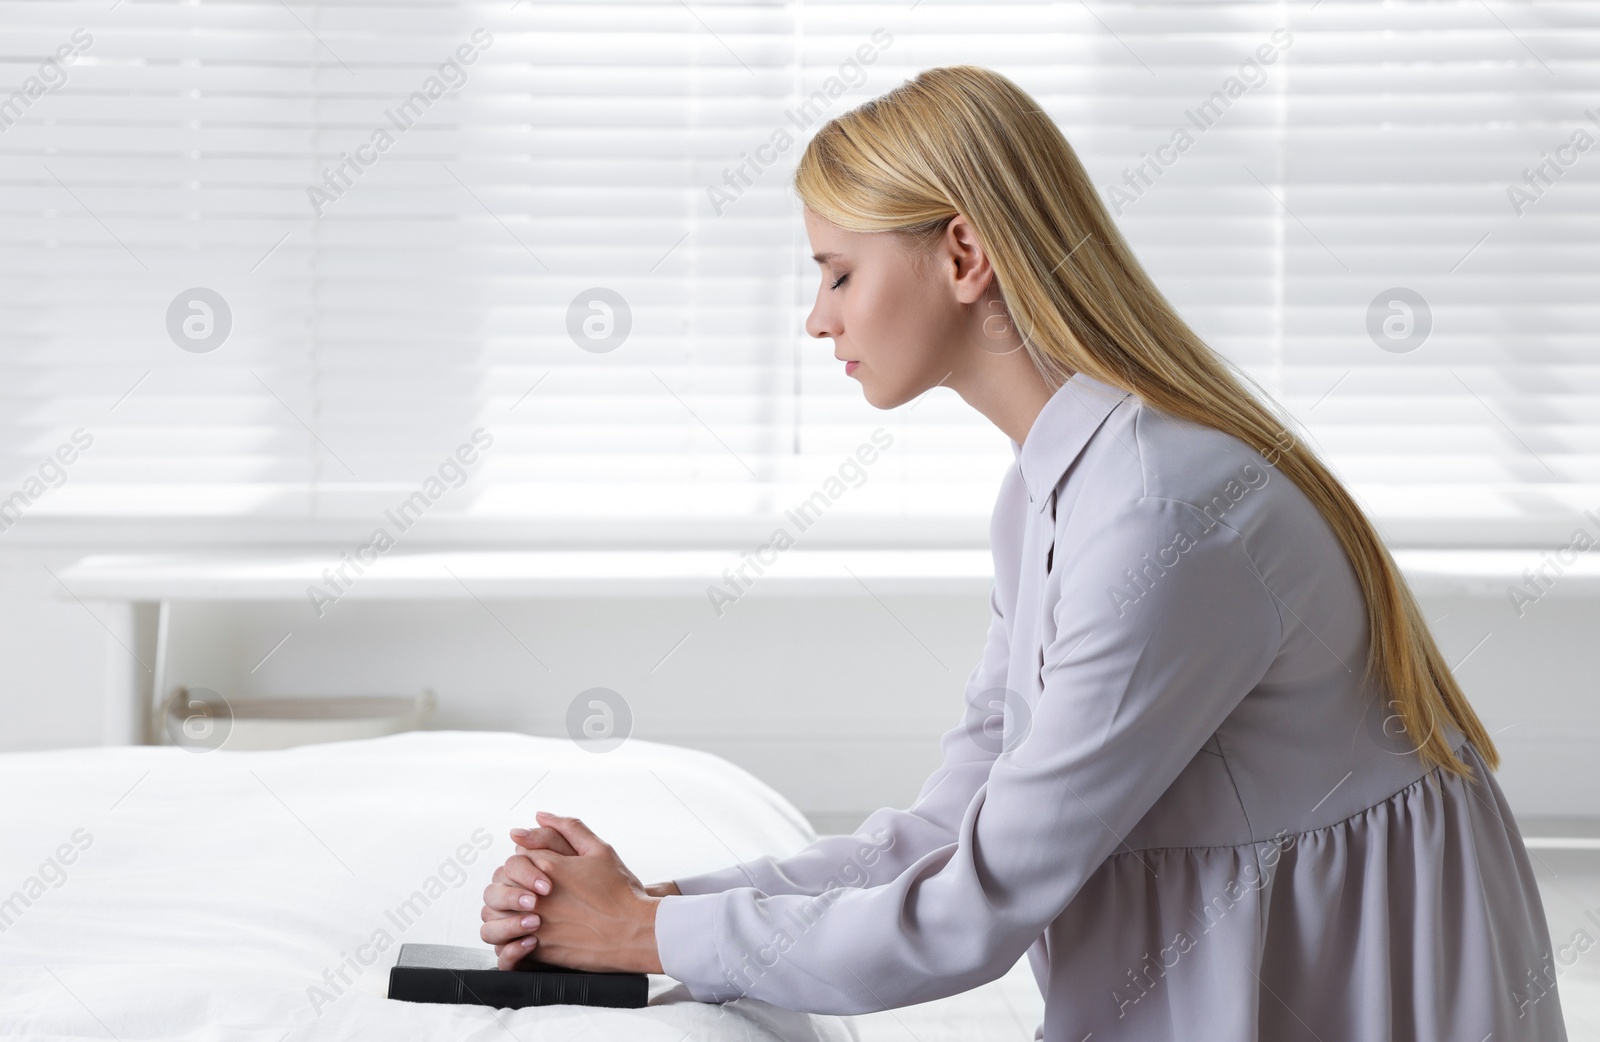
819, 324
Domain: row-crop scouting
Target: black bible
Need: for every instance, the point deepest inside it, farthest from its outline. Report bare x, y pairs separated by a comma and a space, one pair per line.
448, 973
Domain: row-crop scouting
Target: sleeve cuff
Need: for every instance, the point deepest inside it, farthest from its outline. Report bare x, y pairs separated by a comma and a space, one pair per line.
687, 929
716, 881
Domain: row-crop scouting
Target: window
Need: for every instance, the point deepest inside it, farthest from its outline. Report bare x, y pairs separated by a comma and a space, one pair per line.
277, 262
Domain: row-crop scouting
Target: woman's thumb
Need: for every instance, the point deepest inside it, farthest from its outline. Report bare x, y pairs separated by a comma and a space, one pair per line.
583, 840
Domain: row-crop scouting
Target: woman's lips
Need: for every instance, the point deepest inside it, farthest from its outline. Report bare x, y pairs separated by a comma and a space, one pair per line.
850, 367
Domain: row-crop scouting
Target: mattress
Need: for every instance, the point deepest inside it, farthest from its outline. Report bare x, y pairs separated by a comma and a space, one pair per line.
156, 892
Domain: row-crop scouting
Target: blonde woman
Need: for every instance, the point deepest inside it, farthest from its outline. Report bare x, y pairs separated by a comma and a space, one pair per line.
1214, 777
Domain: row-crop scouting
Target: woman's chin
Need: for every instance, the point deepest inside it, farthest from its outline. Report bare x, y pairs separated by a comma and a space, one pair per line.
869, 391
879, 398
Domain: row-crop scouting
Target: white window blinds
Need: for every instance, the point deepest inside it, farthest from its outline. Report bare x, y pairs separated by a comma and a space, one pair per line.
277, 262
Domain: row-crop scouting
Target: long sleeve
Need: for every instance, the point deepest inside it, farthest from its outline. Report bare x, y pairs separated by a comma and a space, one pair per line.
889, 841
1130, 693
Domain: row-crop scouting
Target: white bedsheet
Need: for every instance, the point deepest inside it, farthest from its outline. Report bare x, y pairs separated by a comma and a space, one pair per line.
227, 895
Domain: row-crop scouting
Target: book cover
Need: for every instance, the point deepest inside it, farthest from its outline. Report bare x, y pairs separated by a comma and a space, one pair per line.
450, 973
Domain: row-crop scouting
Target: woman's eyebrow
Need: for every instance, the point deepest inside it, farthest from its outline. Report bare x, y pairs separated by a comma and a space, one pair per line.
823, 258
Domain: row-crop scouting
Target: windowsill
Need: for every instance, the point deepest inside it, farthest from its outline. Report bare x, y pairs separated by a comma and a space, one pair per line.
505, 574
528, 573
1516, 531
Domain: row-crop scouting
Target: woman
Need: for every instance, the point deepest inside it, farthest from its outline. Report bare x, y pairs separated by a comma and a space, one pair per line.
1214, 776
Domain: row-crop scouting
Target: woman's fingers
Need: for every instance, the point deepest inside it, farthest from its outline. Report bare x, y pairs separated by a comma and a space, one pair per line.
513, 952
542, 838
508, 915
510, 930
520, 871
578, 835
487, 913
508, 955
509, 898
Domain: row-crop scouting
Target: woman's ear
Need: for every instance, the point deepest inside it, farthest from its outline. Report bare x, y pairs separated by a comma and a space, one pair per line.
964, 261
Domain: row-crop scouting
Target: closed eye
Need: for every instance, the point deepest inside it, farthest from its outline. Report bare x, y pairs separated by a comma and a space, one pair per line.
839, 281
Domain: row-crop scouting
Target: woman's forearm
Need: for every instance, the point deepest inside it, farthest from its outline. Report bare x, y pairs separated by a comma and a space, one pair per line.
667, 889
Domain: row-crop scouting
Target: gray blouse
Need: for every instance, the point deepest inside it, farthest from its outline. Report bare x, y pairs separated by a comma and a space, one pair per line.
1171, 787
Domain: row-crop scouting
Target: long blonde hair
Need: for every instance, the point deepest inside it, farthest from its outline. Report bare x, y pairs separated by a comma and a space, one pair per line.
964, 139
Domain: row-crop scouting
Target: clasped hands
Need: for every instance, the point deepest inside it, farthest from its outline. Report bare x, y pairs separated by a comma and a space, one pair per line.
566, 898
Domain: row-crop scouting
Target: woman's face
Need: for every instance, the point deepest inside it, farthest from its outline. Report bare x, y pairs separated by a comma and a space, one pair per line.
898, 315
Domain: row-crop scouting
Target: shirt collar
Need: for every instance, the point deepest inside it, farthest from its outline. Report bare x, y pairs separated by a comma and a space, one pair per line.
1060, 431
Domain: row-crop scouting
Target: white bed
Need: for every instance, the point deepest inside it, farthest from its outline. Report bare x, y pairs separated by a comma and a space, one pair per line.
217, 895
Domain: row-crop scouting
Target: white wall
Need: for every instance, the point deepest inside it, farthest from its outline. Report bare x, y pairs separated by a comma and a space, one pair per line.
830, 700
